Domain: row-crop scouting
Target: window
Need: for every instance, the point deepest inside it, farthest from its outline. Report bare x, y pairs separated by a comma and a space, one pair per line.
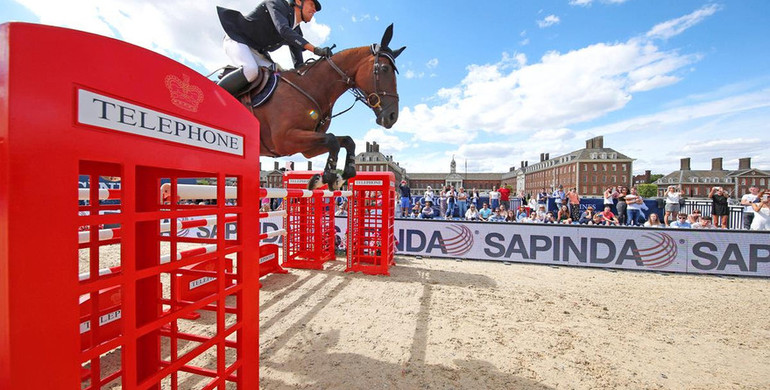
593, 156
596, 167
706, 180
625, 179
761, 182
614, 167
604, 167
625, 167
585, 167
614, 179
604, 157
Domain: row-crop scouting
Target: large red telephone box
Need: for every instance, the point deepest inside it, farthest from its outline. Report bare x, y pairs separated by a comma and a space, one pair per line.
110, 109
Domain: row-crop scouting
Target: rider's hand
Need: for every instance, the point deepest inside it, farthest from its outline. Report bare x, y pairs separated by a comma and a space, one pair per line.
322, 51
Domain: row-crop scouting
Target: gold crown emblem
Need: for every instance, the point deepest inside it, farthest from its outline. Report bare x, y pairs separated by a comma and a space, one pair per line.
184, 95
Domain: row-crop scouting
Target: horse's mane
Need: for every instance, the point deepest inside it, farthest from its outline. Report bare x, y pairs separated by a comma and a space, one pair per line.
311, 62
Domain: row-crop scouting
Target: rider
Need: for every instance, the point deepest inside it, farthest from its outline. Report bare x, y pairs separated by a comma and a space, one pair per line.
272, 24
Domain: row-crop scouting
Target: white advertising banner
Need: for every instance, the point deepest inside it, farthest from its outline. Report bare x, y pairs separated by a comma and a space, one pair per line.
720, 252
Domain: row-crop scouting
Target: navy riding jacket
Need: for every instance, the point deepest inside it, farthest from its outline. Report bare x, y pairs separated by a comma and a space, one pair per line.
265, 29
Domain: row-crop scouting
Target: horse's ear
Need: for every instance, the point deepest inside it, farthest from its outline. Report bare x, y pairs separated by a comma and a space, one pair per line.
397, 52
387, 36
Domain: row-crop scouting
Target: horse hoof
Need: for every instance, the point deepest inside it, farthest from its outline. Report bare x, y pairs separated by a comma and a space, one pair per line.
348, 173
314, 182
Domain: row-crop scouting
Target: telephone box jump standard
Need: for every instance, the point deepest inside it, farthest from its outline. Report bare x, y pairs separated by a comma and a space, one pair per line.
113, 109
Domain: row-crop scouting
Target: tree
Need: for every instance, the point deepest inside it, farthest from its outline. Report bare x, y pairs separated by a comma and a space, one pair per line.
655, 177
647, 190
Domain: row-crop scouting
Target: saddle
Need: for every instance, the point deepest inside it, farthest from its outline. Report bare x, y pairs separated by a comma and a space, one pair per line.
258, 91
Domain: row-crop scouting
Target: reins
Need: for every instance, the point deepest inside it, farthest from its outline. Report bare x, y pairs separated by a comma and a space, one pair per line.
373, 100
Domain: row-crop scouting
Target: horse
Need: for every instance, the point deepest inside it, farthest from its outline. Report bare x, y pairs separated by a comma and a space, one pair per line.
298, 115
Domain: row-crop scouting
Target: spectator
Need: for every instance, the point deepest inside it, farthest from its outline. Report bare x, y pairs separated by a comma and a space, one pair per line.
462, 201
416, 210
428, 212
496, 217
563, 216
621, 205
342, 210
558, 197
505, 196
451, 202
429, 195
549, 218
406, 198
474, 196
540, 212
574, 204
654, 221
587, 217
634, 204
442, 201
761, 219
609, 196
472, 214
720, 211
542, 198
694, 216
521, 214
748, 211
672, 203
510, 216
681, 222
494, 198
607, 217
703, 223
485, 212
532, 218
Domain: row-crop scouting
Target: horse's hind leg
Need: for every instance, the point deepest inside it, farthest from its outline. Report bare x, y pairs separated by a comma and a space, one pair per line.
350, 156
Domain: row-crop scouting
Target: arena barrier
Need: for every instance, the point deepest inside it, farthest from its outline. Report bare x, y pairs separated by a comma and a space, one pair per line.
112, 109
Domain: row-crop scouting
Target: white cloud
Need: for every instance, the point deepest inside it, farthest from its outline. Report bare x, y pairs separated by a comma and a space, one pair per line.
585, 3
193, 37
432, 64
548, 21
361, 18
512, 97
676, 26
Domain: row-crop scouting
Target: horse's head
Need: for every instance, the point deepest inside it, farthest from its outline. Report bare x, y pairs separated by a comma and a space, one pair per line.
376, 80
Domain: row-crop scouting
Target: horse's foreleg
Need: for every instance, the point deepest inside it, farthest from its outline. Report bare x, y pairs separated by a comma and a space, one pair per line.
329, 176
350, 156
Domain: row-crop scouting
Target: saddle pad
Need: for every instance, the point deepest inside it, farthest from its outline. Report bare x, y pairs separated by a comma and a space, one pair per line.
266, 92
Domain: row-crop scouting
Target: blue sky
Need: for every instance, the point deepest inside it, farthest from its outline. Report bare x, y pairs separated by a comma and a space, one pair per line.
495, 83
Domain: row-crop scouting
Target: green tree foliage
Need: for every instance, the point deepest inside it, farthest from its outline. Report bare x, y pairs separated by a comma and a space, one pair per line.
647, 190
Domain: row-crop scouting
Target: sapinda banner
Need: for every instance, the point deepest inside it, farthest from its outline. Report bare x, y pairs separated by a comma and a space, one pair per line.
719, 252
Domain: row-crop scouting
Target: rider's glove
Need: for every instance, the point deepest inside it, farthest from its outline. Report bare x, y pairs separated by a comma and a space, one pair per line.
322, 51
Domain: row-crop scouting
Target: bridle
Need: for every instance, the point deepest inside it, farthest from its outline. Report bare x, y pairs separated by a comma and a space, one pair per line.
374, 99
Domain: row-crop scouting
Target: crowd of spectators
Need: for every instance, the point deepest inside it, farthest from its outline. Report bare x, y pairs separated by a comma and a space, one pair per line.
622, 206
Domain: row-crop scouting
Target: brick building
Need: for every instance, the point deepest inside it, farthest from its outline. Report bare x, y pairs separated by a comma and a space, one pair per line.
482, 182
372, 160
698, 183
591, 170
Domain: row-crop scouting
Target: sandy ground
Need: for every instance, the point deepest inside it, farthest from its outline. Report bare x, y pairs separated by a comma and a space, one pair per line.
445, 324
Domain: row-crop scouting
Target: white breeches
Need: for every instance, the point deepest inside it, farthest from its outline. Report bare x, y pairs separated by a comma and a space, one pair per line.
242, 56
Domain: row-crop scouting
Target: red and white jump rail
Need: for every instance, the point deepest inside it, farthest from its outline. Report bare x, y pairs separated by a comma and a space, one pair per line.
84, 237
192, 191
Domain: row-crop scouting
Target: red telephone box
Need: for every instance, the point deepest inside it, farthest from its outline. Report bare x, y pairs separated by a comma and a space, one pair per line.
111, 109
371, 220
309, 225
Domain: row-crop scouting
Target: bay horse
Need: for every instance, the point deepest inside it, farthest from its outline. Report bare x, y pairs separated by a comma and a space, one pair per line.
297, 116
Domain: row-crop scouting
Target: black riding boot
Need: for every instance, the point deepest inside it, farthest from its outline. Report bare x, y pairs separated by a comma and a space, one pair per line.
234, 82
